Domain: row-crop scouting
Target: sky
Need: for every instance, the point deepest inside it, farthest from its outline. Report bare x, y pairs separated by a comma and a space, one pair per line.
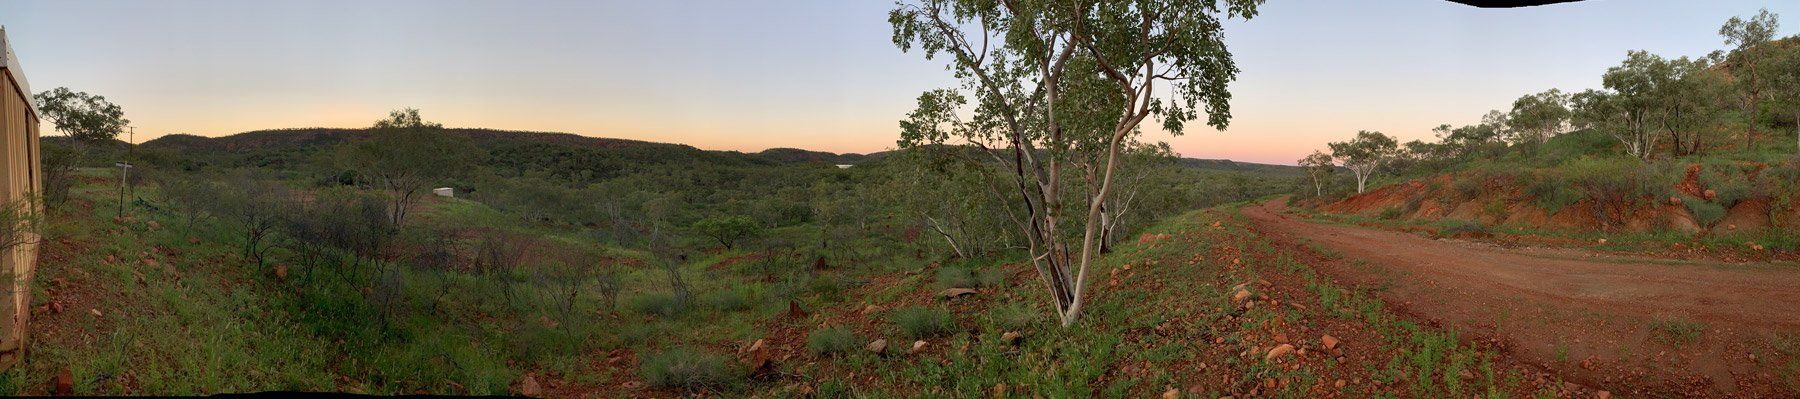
748, 75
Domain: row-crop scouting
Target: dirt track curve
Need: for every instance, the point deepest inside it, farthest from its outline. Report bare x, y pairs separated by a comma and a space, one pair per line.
1602, 321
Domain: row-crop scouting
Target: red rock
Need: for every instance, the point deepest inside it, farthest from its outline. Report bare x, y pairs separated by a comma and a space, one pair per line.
878, 347
528, 386
1279, 351
917, 346
1240, 296
1328, 341
64, 383
761, 362
954, 293
281, 271
1172, 393
1603, 395
1011, 337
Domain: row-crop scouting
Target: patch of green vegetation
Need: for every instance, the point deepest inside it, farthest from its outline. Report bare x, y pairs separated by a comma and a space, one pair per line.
831, 341
690, 369
921, 322
1677, 331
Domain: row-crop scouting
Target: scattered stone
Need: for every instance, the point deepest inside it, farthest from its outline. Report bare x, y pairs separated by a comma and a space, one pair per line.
1466, 375
1603, 395
794, 311
954, 293
1601, 241
760, 360
153, 225
878, 347
1673, 200
1330, 342
64, 383
1340, 383
1011, 337
1000, 390
528, 386
1240, 296
193, 240
1172, 393
56, 307
918, 346
1711, 195
281, 271
96, 312
871, 309
1279, 351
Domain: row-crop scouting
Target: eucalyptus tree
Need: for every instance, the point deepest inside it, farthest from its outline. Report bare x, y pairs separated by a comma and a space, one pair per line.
1749, 36
87, 118
1365, 154
1057, 82
1319, 166
406, 156
1537, 117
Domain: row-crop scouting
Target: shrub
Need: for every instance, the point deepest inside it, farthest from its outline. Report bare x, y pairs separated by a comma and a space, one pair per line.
687, 368
969, 277
831, 341
1552, 193
1013, 316
736, 299
661, 304
1730, 182
1391, 213
917, 322
1465, 228
1706, 213
955, 277
1468, 188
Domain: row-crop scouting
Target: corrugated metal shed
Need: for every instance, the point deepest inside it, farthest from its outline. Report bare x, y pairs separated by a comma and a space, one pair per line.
11, 61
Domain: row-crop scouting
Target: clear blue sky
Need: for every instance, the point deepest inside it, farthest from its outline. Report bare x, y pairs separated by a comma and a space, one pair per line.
818, 74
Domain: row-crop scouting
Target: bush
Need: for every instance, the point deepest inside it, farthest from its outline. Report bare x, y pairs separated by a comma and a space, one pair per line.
688, 369
831, 341
736, 299
969, 277
1392, 213
661, 304
917, 322
1013, 316
1465, 228
1706, 213
1731, 183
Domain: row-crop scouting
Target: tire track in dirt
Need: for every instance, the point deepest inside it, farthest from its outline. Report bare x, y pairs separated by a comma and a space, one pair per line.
1600, 322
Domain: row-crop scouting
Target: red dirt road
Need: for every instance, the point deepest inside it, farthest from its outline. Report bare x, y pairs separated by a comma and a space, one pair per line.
1617, 323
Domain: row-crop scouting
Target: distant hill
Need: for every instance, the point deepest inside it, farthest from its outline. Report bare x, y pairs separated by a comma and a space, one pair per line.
1227, 165
529, 150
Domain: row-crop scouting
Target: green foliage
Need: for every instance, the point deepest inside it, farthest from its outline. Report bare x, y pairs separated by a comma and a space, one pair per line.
1392, 213
831, 341
969, 276
728, 230
1677, 332
660, 304
690, 369
1705, 212
920, 322
737, 299
406, 156
84, 117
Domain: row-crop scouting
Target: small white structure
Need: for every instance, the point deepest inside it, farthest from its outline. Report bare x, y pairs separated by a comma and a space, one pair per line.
445, 192
844, 166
